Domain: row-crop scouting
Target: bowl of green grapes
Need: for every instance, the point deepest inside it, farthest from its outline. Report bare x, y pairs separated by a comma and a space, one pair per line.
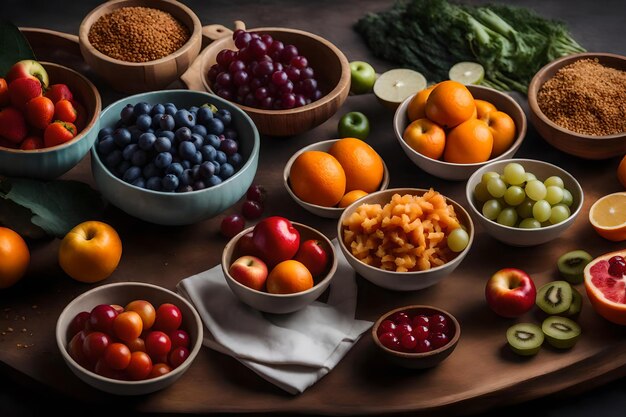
524, 202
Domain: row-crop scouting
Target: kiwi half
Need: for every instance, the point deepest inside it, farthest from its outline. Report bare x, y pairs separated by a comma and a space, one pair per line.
572, 265
525, 338
555, 297
561, 332
577, 303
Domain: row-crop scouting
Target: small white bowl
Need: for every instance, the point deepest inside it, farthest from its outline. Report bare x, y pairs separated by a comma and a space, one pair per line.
327, 212
452, 171
403, 281
516, 236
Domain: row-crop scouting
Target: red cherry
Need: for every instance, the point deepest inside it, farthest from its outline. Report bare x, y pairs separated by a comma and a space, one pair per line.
386, 326
408, 342
232, 225
438, 340
257, 192
252, 209
423, 346
389, 340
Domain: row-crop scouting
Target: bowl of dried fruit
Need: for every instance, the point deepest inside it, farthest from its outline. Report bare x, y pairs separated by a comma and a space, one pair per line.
140, 45
405, 239
577, 104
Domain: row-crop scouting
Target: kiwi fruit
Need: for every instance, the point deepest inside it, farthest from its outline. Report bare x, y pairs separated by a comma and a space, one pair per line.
572, 265
577, 303
555, 297
561, 332
525, 338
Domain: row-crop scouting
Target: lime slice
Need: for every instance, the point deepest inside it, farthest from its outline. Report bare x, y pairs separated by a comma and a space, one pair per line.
394, 86
467, 73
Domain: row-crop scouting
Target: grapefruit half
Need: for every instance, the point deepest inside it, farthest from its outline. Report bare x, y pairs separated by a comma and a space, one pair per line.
607, 292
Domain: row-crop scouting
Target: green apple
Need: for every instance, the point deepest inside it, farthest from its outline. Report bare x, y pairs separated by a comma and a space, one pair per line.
354, 125
362, 77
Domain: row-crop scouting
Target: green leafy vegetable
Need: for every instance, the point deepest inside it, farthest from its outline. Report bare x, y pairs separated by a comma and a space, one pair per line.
511, 43
13, 47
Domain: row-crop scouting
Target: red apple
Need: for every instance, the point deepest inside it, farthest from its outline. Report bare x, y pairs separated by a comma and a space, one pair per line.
28, 69
510, 292
276, 240
249, 271
313, 256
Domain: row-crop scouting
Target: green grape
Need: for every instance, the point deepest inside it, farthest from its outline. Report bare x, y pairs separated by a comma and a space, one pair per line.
529, 223
458, 239
541, 210
558, 213
496, 187
525, 209
491, 209
554, 180
554, 194
514, 173
514, 195
480, 192
530, 176
568, 199
535, 190
507, 217
489, 175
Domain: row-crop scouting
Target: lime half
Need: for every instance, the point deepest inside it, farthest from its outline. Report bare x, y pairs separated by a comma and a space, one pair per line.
467, 73
394, 86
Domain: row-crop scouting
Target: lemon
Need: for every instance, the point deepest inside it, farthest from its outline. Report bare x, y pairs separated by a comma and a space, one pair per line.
467, 73
394, 86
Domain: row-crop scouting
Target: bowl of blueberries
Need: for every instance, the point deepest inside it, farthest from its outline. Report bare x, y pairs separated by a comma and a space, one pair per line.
174, 157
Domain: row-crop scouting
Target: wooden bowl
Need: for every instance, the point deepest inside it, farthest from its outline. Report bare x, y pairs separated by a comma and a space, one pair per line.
331, 71
577, 144
134, 77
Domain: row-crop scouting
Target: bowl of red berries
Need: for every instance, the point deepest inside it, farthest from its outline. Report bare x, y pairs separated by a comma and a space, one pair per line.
287, 80
416, 336
129, 338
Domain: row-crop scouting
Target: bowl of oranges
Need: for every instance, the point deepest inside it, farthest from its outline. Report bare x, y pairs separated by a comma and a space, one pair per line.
326, 177
450, 130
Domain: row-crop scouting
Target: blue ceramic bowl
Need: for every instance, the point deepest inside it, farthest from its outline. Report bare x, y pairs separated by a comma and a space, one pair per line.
179, 208
52, 162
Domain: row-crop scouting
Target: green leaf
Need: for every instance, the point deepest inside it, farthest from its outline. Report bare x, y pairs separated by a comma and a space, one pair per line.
18, 218
13, 46
57, 206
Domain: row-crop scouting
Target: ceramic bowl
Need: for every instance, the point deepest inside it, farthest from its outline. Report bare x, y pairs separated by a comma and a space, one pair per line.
416, 360
577, 144
449, 170
179, 208
53, 162
331, 71
402, 281
122, 293
134, 77
280, 303
328, 212
525, 237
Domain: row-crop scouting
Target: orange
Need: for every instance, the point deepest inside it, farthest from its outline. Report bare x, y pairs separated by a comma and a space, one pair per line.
468, 143
483, 107
608, 216
351, 197
450, 104
289, 277
417, 106
426, 138
606, 292
14, 257
621, 172
502, 128
362, 165
318, 178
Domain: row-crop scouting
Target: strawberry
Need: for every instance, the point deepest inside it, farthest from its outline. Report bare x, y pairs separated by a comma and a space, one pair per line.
22, 90
58, 92
32, 142
12, 125
65, 111
39, 112
58, 132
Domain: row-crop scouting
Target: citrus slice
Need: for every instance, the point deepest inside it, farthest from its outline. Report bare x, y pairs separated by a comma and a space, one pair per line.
395, 85
467, 73
606, 286
608, 216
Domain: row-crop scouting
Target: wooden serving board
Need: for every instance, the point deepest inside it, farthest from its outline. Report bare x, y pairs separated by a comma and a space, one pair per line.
481, 373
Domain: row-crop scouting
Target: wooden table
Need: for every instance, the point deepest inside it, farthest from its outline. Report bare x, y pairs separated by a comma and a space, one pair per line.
480, 374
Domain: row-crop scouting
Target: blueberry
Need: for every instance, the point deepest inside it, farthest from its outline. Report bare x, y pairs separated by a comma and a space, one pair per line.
199, 129
193, 109
235, 160
182, 134
212, 140
175, 168
225, 116
186, 178
184, 188
163, 160
226, 171
154, 183
141, 109
121, 168
122, 137
199, 185
208, 152
146, 141
105, 132
169, 182
214, 126
129, 150
157, 109
184, 118
150, 170
197, 158
230, 134
127, 114
167, 122
204, 114
131, 174
187, 150
118, 124
217, 166
113, 159
144, 122
162, 144
135, 132
221, 157
186, 164
139, 182
195, 171
214, 180
207, 170
197, 141
139, 158
106, 145
156, 121
229, 147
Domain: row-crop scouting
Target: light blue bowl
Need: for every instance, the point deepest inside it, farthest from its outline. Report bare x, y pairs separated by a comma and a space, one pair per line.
179, 208
53, 162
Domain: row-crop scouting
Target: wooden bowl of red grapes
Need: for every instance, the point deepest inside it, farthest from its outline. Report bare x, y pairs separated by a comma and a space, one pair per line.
288, 81
416, 336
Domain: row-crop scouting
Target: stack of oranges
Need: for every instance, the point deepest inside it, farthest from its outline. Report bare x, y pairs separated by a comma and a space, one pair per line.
349, 170
448, 123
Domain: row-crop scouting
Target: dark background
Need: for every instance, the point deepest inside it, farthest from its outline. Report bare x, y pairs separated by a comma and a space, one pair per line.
597, 25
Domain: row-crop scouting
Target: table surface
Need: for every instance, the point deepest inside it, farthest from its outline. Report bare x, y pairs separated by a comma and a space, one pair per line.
597, 28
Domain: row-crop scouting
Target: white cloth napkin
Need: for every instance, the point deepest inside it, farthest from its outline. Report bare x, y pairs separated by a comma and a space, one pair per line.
293, 351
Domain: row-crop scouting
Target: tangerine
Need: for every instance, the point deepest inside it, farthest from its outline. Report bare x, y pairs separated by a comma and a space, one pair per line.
450, 104
417, 105
425, 137
483, 107
621, 172
502, 129
318, 178
468, 143
362, 165
350, 197
14, 257
289, 277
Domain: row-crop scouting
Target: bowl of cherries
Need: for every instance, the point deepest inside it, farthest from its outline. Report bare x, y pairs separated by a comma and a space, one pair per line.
288, 81
416, 336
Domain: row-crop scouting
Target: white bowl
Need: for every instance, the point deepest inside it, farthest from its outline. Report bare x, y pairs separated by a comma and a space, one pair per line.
403, 281
452, 171
328, 212
515, 236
